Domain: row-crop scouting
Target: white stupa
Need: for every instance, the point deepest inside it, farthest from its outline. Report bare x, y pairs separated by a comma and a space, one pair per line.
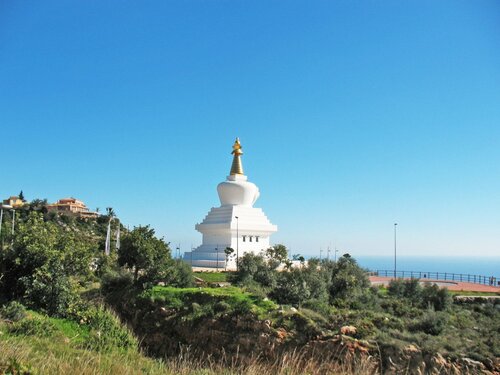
235, 224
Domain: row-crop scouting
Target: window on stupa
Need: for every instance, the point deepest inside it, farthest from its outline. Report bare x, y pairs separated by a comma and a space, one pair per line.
244, 238
256, 238
250, 238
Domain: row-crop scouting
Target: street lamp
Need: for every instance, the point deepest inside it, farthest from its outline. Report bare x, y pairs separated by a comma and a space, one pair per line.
336, 251
237, 241
217, 252
7, 207
395, 226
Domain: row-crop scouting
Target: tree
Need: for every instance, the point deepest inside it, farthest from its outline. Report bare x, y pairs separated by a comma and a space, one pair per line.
41, 262
141, 251
253, 267
348, 282
291, 288
110, 212
21, 196
276, 255
229, 252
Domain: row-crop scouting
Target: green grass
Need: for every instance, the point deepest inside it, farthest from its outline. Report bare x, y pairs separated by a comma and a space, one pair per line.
212, 277
60, 352
470, 293
235, 298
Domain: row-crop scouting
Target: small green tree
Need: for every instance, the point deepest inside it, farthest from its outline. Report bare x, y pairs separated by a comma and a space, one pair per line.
292, 288
348, 282
21, 196
276, 255
254, 268
229, 253
142, 251
435, 297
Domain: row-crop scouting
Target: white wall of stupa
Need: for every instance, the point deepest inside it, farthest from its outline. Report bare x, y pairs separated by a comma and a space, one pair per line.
235, 224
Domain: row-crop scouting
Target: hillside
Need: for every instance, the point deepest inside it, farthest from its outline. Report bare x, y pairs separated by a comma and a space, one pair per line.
68, 308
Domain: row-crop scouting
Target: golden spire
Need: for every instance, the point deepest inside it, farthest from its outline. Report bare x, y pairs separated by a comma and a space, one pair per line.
236, 167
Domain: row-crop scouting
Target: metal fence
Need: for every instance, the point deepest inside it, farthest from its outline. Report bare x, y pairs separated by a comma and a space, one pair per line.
478, 279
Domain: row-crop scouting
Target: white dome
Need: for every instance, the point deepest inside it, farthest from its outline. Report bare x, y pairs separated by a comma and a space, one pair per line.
236, 191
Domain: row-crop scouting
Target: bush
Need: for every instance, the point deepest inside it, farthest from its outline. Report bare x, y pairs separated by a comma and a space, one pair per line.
116, 281
431, 322
291, 288
33, 327
348, 281
253, 267
410, 289
13, 311
49, 290
179, 274
437, 298
107, 331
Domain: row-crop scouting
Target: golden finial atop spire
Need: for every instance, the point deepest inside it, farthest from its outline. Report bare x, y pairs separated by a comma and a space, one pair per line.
237, 167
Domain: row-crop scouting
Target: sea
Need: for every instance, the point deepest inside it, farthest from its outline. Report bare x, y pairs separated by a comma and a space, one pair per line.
482, 266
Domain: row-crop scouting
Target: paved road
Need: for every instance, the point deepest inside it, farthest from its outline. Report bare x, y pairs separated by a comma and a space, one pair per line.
451, 285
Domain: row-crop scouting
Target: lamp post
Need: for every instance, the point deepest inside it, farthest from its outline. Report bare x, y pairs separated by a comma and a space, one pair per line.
320, 253
237, 241
1, 220
217, 252
336, 251
6, 207
395, 226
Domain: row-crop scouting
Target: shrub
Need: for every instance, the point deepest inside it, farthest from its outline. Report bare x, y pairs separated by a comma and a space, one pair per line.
348, 281
33, 327
253, 267
291, 288
116, 281
179, 274
437, 298
431, 322
13, 311
49, 290
107, 332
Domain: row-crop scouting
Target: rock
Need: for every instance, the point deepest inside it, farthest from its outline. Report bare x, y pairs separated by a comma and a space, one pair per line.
348, 330
411, 349
281, 334
293, 309
472, 364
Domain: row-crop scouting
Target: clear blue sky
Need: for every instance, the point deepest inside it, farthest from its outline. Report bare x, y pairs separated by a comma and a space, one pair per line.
352, 115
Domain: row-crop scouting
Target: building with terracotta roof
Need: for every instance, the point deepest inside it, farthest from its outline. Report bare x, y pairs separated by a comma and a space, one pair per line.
13, 201
71, 206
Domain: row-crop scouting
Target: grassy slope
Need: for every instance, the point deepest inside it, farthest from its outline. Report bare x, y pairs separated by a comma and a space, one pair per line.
59, 351
62, 352
212, 277
234, 297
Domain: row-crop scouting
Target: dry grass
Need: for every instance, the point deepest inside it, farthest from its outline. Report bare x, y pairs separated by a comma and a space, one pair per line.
44, 357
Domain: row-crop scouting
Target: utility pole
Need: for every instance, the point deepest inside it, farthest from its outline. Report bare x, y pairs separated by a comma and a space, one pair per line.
237, 242
395, 226
13, 226
217, 252
1, 220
